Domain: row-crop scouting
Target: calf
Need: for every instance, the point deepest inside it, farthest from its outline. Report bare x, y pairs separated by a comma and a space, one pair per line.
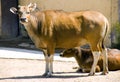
51, 29
84, 59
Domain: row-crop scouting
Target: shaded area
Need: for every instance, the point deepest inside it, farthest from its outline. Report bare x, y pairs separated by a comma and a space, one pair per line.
53, 76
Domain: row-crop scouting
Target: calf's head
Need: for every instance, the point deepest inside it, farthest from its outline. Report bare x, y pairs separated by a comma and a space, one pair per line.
24, 12
72, 52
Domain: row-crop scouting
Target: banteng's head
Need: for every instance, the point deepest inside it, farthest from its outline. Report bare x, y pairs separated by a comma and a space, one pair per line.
70, 52
24, 12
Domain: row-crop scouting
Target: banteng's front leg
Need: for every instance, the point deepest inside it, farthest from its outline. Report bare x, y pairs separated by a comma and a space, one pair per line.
46, 61
49, 64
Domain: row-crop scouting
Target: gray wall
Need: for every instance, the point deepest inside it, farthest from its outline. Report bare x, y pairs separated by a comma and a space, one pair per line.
0, 17
9, 20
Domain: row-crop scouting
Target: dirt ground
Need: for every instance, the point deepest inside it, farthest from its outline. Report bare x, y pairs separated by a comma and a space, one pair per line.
24, 70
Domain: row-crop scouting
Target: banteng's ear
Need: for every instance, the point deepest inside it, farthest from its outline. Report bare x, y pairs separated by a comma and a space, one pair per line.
32, 6
19, 6
14, 10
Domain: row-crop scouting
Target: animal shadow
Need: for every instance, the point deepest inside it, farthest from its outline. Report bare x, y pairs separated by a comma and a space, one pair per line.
55, 75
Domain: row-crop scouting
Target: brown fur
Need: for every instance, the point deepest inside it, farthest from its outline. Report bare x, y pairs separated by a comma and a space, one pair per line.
84, 59
63, 29
52, 29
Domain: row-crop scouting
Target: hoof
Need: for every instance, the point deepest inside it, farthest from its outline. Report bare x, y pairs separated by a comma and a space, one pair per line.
91, 74
47, 75
104, 73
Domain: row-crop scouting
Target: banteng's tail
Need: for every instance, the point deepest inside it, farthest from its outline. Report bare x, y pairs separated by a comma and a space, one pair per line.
106, 33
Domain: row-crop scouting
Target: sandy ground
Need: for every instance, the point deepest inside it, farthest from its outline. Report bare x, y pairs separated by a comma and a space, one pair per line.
25, 70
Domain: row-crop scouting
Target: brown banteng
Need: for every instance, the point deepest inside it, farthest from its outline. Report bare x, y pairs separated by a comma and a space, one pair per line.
84, 59
52, 29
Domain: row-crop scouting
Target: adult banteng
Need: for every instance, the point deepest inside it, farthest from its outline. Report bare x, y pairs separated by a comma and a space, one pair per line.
52, 29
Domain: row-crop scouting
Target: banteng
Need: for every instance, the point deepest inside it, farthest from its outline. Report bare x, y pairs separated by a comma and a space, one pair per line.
52, 29
84, 59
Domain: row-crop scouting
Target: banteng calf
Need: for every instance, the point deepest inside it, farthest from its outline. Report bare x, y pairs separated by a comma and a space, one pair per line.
84, 59
52, 29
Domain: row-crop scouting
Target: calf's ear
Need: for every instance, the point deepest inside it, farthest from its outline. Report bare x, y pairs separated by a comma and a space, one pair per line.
32, 6
13, 10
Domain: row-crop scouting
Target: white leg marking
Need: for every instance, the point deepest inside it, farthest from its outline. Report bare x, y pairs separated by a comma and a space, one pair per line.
105, 62
96, 56
47, 65
51, 64
46, 62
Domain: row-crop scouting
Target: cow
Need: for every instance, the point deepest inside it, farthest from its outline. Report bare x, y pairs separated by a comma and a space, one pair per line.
52, 29
84, 59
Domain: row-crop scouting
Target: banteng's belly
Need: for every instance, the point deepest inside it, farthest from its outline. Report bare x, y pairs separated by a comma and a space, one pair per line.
70, 43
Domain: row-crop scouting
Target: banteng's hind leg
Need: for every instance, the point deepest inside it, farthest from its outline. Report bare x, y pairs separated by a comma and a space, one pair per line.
105, 58
105, 61
96, 50
96, 55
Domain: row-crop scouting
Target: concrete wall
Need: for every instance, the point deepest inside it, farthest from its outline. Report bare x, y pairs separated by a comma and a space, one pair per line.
0, 17
108, 7
119, 8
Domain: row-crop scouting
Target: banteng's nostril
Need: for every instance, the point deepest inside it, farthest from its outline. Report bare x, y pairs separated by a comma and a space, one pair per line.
23, 19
